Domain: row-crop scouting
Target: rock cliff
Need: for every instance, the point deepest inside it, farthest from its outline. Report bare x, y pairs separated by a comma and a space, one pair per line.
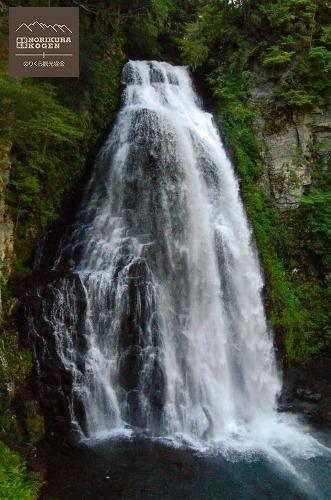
290, 141
6, 223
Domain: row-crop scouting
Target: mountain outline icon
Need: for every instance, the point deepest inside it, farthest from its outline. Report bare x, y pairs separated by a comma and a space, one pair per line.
44, 26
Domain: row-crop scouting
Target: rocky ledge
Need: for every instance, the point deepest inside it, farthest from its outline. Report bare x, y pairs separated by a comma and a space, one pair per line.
307, 392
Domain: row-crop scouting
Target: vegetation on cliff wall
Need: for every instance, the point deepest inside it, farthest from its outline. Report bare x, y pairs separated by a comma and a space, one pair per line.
15, 481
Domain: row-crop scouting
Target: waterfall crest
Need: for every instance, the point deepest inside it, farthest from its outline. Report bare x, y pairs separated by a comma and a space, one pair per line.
158, 319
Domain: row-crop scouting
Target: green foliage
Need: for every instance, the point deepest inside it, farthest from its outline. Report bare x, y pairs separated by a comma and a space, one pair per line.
149, 23
194, 48
294, 97
273, 33
135, 26
326, 34
34, 422
276, 56
38, 128
15, 481
15, 366
315, 210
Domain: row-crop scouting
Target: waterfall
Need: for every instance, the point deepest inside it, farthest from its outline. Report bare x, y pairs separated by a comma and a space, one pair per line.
154, 309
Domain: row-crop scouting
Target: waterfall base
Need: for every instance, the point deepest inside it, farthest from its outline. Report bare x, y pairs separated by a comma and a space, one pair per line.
116, 470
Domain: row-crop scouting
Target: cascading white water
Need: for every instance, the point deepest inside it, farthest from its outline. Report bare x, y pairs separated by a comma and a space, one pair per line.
168, 251
159, 320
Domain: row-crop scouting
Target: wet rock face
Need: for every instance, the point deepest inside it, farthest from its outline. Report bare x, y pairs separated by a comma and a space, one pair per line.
6, 224
287, 144
308, 395
51, 382
130, 75
136, 350
307, 392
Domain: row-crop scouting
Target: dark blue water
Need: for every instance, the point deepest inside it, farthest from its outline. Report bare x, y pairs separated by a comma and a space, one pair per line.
142, 469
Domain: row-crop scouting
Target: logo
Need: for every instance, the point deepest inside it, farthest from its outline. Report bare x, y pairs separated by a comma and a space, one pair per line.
44, 41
